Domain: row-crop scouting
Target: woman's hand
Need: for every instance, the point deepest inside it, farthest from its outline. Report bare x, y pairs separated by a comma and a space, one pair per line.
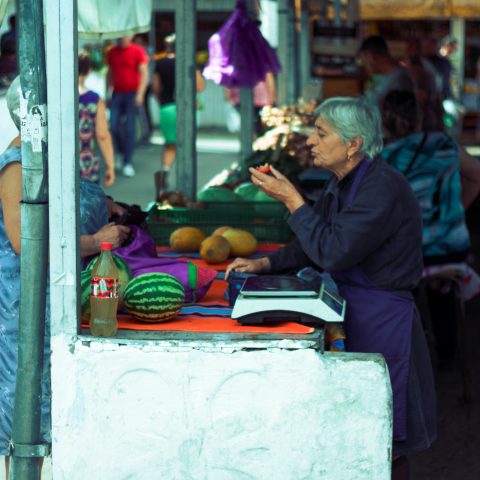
278, 187
109, 177
114, 208
248, 265
112, 233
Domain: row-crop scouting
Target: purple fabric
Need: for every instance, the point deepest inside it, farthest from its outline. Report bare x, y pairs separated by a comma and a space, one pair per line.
141, 257
239, 55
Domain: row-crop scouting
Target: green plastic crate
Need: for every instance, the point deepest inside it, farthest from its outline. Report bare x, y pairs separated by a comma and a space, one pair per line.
265, 220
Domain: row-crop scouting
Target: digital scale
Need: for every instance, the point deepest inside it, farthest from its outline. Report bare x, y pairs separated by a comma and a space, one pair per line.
279, 298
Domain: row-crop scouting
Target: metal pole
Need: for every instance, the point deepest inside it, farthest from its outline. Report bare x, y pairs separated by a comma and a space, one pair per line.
185, 96
286, 53
305, 49
26, 448
246, 109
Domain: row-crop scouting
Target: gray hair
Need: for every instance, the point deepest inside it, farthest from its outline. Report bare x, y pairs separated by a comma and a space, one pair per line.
13, 101
354, 117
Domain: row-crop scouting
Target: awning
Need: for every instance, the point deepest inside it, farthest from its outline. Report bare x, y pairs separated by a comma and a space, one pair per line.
417, 9
107, 19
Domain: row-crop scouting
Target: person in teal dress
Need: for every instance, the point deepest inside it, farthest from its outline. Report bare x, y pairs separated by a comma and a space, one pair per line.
94, 229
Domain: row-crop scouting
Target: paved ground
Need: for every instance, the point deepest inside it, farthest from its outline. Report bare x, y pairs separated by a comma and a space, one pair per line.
455, 455
215, 152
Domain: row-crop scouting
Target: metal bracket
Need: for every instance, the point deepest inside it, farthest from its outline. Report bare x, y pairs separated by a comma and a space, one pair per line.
25, 450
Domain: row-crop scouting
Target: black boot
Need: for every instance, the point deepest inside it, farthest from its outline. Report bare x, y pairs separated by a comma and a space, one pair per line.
161, 184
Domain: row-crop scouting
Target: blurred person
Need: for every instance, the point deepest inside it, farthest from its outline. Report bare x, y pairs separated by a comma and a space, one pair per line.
93, 125
431, 163
94, 229
128, 78
386, 73
364, 199
8, 62
10, 36
441, 63
163, 86
144, 111
427, 93
264, 95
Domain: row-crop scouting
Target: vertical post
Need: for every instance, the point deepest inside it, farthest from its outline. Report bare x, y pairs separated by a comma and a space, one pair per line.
26, 447
305, 49
62, 68
185, 96
286, 53
457, 28
246, 110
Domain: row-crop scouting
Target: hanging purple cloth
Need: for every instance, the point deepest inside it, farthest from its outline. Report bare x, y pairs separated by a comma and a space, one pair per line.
239, 55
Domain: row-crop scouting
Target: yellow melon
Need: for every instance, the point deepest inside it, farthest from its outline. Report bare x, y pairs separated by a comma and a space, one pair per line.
186, 239
215, 249
242, 243
220, 230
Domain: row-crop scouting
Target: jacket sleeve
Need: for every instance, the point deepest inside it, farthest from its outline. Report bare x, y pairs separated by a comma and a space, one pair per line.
290, 257
355, 232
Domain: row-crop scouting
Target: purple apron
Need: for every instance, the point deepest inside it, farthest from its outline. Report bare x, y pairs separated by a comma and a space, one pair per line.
379, 321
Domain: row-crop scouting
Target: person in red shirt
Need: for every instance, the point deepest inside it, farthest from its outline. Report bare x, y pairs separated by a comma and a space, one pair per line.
128, 78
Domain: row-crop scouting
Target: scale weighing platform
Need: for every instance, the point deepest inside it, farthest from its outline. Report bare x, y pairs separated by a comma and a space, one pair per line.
276, 298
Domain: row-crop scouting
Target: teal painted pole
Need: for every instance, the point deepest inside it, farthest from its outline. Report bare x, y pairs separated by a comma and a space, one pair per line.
246, 109
26, 448
185, 96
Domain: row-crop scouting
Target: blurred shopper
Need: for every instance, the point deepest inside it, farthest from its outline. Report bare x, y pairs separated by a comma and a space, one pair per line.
10, 36
163, 85
426, 88
93, 125
144, 117
128, 77
8, 63
386, 74
94, 229
430, 161
438, 56
264, 95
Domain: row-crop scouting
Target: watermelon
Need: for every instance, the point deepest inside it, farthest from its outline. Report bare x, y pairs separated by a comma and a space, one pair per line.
154, 297
124, 276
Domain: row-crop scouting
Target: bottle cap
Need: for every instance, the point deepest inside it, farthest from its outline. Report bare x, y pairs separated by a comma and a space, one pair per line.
106, 246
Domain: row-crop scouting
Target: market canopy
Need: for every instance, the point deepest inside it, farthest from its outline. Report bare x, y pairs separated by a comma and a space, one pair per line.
418, 9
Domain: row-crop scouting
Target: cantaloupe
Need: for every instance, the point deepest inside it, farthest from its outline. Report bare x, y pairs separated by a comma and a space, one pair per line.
242, 243
215, 249
186, 239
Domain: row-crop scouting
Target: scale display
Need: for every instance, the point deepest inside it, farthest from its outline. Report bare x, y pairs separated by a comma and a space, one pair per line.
277, 286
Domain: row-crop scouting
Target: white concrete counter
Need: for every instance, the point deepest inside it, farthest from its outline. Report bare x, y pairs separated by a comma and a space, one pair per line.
217, 411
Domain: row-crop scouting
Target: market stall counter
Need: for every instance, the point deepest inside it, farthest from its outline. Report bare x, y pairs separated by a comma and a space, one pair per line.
205, 397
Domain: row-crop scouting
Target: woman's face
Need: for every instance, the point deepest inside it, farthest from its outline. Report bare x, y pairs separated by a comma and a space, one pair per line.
327, 148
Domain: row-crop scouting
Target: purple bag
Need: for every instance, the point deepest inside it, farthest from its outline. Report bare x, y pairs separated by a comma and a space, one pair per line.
141, 257
239, 55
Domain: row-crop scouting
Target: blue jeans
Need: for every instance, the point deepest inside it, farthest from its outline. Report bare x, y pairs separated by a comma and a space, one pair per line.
122, 107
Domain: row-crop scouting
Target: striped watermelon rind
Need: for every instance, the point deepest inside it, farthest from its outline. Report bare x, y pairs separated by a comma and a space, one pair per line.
154, 297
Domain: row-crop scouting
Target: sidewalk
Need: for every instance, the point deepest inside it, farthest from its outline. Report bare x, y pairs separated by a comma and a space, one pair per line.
215, 152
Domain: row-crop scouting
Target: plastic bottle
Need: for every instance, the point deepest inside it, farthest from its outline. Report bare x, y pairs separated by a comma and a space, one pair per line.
104, 294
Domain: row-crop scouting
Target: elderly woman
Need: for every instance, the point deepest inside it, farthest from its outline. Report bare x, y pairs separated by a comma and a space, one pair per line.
365, 230
94, 230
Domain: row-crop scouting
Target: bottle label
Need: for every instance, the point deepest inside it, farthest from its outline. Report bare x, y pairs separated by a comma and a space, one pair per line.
104, 287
